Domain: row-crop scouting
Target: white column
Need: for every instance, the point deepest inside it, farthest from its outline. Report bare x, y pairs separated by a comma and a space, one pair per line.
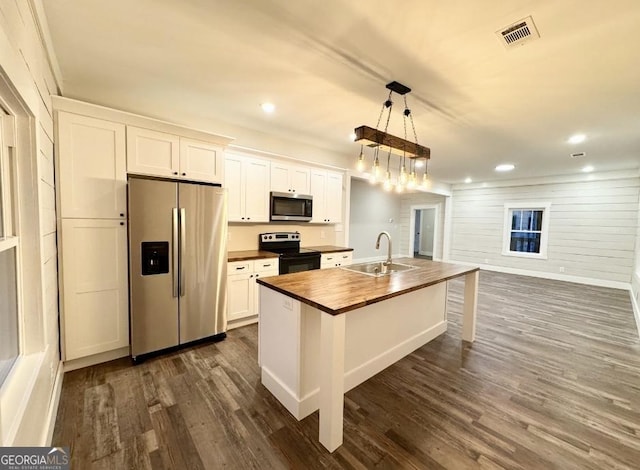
332, 328
470, 306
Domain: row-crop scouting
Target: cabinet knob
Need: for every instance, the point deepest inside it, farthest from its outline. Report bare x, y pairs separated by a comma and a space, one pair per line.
248, 218
242, 218
257, 275
250, 276
175, 172
121, 223
121, 215
184, 174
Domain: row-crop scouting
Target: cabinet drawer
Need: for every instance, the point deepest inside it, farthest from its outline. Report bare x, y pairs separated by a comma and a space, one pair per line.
264, 265
237, 267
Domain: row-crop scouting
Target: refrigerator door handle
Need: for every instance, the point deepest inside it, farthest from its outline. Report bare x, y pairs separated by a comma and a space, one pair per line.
183, 250
174, 252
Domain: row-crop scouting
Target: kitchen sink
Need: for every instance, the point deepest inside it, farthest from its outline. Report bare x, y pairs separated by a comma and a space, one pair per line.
378, 268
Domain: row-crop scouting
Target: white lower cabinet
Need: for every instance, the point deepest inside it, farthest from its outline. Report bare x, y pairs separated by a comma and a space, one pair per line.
243, 291
334, 260
95, 286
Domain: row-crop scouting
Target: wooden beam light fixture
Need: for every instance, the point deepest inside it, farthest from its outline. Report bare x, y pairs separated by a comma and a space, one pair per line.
379, 140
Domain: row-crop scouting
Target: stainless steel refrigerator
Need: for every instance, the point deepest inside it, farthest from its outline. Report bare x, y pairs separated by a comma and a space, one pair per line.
177, 263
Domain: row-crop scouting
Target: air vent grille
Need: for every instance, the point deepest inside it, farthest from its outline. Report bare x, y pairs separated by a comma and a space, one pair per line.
518, 33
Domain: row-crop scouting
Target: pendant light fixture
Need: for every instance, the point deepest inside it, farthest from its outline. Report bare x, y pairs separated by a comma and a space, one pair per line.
380, 140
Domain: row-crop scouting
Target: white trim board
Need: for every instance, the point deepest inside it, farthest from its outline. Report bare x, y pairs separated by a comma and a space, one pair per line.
53, 407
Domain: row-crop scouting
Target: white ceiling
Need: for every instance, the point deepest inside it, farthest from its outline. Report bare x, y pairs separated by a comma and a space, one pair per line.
325, 65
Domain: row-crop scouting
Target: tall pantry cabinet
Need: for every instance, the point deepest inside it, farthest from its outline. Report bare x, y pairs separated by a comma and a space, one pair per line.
91, 171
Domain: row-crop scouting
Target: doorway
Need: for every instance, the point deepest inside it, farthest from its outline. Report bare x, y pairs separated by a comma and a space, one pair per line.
424, 231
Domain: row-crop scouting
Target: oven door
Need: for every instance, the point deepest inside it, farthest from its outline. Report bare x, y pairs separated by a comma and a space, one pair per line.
297, 263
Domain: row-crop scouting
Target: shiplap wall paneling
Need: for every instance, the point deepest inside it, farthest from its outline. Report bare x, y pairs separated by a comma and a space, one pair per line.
592, 231
28, 67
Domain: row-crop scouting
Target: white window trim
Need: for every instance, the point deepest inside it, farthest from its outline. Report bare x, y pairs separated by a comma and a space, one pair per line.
506, 233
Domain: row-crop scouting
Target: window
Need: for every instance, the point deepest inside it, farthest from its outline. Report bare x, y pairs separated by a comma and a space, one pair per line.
526, 227
9, 332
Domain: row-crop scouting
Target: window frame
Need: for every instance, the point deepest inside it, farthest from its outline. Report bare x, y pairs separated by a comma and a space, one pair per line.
509, 207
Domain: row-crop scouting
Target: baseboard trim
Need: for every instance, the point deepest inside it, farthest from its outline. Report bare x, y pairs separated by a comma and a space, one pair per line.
53, 406
552, 276
636, 310
95, 359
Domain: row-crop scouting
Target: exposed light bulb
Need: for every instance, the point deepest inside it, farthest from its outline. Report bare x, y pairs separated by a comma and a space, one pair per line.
360, 165
412, 180
403, 175
387, 182
399, 187
426, 183
375, 172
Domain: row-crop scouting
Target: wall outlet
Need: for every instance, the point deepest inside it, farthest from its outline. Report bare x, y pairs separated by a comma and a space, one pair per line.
288, 303
561, 269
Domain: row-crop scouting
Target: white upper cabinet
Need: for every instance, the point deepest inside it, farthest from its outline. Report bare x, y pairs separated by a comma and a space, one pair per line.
152, 153
289, 178
247, 183
201, 161
326, 189
91, 159
333, 199
167, 155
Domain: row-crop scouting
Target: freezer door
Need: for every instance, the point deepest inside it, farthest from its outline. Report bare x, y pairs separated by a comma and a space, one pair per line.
203, 276
153, 243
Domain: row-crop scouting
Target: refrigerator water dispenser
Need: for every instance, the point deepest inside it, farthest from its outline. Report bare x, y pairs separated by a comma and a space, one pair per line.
155, 258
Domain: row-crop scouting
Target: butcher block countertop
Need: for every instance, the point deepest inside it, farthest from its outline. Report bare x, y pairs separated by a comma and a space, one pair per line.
329, 248
337, 290
247, 255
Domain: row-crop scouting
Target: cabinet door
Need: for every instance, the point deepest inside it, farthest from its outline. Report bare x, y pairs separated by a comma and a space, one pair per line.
92, 161
233, 182
201, 161
299, 179
95, 286
152, 153
280, 178
256, 190
317, 189
240, 295
333, 202
345, 258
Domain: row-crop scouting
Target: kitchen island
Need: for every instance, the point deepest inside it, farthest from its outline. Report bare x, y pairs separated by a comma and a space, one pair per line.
323, 332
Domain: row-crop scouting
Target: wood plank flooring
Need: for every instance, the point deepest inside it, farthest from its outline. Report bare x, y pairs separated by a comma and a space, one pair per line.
552, 381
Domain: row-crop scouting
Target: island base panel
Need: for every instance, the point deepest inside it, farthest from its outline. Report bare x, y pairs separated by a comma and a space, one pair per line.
376, 336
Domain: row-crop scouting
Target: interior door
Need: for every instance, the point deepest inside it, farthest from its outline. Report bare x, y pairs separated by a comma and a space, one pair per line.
203, 270
153, 232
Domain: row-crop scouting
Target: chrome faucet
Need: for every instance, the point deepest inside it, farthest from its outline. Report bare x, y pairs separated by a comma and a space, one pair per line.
388, 261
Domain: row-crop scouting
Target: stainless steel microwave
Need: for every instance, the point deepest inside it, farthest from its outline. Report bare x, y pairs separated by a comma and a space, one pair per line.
291, 206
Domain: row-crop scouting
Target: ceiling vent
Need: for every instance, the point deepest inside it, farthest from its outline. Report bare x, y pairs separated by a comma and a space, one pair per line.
518, 33
579, 155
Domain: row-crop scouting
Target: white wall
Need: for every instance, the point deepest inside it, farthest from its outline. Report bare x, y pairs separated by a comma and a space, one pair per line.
592, 233
26, 416
372, 211
416, 199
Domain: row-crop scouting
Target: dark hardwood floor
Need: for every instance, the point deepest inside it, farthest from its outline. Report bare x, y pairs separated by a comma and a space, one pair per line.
552, 381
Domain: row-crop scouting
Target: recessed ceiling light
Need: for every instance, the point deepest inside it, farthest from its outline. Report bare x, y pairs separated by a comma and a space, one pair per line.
268, 107
468, 180
587, 169
352, 137
505, 167
419, 163
577, 138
